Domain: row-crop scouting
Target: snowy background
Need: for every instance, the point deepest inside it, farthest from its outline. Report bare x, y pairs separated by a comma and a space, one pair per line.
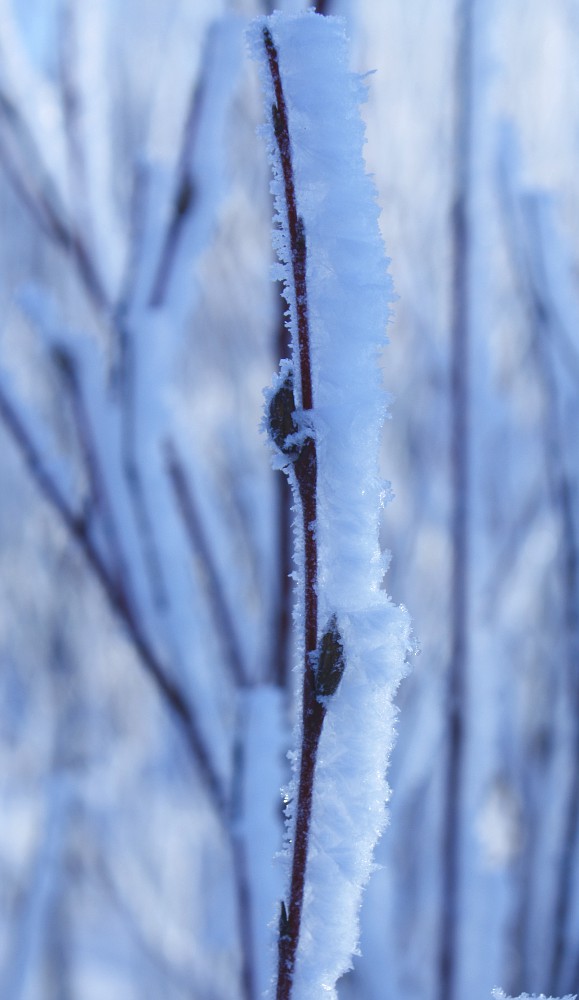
145, 661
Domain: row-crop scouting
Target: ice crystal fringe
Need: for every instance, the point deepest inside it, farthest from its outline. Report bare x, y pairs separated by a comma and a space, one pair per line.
349, 295
498, 994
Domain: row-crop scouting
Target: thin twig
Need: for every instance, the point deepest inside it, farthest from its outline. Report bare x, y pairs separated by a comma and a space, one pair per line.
460, 445
72, 115
138, 498
43, 204
280, 664
525, 239
95, 472
295, 224
201, 549
565, 502
77, 528
238, 836
184, 197
305, 466
125, 337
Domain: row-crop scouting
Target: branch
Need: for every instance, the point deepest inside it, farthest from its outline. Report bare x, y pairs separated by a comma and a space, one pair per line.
280, 659
77, 528
43, 203
313, 710
526, 244
460, 456
201, 549
184, 196
238, 841
544, 321
97, 481
72, 116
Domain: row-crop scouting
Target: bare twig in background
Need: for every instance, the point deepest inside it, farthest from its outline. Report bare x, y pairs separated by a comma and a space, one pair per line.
23, 164
565, 503
72, 114
201, 550
78, 529
101, 504
184, 194
459, 432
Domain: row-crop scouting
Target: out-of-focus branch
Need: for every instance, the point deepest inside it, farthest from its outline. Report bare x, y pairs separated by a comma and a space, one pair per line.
132, 473
30, 919
201, 550
78, 529
101, 502
565, 502
182, 979
240, 859
527, 247
26, 171
125, 338
460, 484
184, 191
71, 106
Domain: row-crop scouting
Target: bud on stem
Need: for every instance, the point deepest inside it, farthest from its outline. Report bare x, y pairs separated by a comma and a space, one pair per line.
281, 422
331, 662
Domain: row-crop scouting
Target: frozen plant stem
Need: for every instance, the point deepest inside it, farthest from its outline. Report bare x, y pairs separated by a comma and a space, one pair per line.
324, 416
306, 475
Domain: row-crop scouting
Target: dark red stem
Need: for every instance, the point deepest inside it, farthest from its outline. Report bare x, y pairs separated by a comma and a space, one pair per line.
305, 468
295, 224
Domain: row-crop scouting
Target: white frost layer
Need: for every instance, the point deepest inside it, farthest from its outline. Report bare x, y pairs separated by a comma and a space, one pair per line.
498, 994
349, 295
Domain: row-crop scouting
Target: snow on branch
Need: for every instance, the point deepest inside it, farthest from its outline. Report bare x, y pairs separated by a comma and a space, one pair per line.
325, 415
498, 994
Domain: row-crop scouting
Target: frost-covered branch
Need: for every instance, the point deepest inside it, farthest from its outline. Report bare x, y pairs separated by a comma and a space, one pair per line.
305, 466
323, 416
280, 649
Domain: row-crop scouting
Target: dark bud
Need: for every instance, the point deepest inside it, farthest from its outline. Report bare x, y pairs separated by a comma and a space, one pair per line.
331, 662
283, 927
281, 417
268, 40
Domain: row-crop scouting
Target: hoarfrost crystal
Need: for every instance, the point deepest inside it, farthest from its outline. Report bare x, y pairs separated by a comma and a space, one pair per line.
349, 294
